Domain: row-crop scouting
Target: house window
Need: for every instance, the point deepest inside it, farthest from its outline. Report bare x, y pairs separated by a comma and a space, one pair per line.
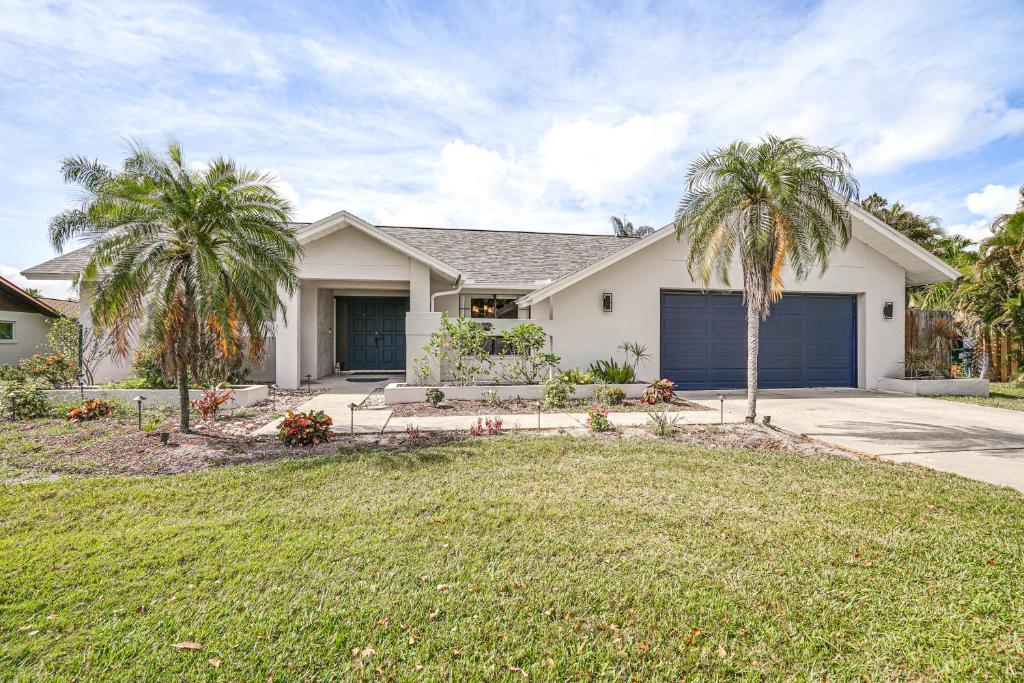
500, 306
6, 331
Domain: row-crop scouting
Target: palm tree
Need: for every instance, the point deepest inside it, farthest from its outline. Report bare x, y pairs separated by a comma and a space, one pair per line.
33, 291
622, 227
191, 258
925, 230
776, 203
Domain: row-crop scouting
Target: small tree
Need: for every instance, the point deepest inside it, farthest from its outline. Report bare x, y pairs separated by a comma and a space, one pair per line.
459, 347
527, 360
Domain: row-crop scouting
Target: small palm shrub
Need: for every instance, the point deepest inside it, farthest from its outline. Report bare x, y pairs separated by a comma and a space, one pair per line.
597, 419
557, 391
577, 376
659, 390
92, 409
305, 429
661, 423
609, 396
434, 396
611, 372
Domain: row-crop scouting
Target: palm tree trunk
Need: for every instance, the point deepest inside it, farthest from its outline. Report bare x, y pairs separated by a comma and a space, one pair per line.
183, 398
753, 344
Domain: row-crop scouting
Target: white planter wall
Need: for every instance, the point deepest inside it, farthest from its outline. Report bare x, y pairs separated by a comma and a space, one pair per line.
968, 386
402, 393
243, 397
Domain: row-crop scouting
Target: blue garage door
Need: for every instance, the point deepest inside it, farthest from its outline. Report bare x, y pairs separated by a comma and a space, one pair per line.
810, 340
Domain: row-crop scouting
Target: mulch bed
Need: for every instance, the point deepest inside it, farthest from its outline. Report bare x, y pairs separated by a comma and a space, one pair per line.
520, 407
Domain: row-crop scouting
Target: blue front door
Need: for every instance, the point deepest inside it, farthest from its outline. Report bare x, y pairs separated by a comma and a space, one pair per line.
809, 340
376, 333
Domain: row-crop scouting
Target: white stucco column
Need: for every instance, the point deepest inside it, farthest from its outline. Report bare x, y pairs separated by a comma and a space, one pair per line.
308, 334
287, 342
419, 286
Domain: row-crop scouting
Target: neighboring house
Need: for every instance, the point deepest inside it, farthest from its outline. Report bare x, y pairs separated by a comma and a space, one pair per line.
371, 296
24, 322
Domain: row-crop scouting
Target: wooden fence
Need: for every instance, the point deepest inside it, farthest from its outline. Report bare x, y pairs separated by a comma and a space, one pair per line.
1004, 357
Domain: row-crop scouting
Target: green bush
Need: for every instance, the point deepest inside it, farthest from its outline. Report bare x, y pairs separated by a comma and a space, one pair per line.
526, 360
661, 423
23, 400
305, 429
609, 396
55, 369
458, 346
557, 392
597, 419
434, 396
9, 373
611, 372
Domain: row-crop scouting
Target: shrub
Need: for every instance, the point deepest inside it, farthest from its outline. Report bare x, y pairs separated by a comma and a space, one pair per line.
635, 351
659, 390
493, 399
434, 396
146, 368
24, 400
9, 373
576, 376
597, 419
412, 432
53, 368
211, 401
91, 409
527, 361
491, 426
611, 372
660, 423
305, 429
557, 392
460, 347
609, 396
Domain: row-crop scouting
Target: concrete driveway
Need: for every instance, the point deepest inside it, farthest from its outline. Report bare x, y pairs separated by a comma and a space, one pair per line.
974, 441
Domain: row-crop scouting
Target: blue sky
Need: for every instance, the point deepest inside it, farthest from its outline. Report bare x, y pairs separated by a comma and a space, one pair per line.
550, 116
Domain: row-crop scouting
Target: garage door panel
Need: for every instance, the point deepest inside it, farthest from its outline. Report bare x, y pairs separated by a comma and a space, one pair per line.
809, 340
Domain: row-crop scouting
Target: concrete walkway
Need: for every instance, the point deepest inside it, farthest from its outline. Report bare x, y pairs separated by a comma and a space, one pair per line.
974, 441
342, 392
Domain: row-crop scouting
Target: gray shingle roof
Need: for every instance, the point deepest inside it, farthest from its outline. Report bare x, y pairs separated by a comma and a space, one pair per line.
486, 256
505, 256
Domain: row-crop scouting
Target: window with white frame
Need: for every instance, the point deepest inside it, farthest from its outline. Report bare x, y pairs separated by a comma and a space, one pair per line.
6, 330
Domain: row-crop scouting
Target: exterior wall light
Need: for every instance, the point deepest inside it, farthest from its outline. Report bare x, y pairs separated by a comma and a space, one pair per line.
606, 302
887, 310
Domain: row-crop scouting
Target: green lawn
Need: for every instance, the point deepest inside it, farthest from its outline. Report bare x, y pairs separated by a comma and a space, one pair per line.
562, 558
1000, 395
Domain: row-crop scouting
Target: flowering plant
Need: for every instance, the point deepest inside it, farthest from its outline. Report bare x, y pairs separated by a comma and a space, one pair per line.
597, 419
305, 429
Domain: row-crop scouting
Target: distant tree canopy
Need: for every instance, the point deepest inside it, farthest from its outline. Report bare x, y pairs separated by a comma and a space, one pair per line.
624, 228
925, 230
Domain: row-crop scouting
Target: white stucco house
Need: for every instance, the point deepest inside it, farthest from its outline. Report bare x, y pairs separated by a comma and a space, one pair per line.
372, 294
24, 322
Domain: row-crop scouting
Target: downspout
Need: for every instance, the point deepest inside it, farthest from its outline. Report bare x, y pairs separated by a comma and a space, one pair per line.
433, 297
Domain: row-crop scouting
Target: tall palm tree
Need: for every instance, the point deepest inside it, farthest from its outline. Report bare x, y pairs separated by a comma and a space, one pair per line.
925, 230
781, 202
622, 227
191, 258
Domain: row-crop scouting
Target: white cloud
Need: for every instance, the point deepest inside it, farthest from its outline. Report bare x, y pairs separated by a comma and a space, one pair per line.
55, 289
977, 230
993, 200
607, 162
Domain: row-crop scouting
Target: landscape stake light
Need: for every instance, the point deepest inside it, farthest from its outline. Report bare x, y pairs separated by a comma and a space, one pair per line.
81, 387
721, 409
352, 418
309, 383
273, 398
539, 406
138, 402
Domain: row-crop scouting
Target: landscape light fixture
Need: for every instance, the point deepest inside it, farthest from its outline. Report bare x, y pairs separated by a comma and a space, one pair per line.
138, 402
309, 383
273, 398
81, 387
352, 418
721, 409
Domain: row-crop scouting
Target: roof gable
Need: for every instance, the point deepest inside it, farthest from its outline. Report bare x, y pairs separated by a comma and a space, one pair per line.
19, 296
